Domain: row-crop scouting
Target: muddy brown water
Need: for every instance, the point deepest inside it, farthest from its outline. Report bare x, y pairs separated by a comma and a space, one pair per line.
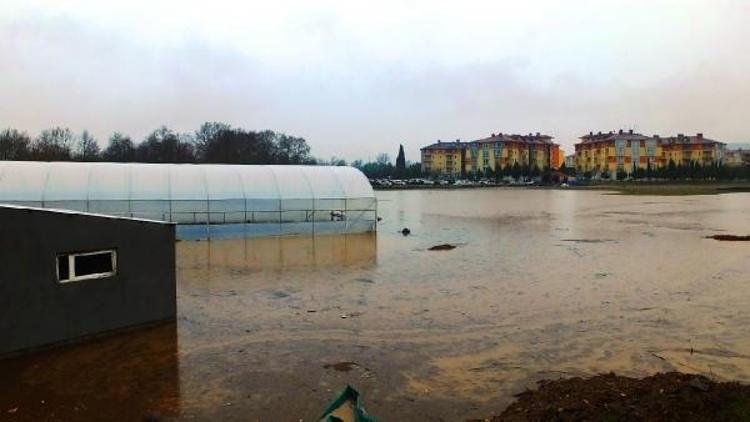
542, 284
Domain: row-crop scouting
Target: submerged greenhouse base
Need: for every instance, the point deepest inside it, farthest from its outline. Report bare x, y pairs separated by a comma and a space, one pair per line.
206, 201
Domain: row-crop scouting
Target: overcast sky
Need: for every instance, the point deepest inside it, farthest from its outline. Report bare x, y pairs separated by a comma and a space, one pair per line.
357, 78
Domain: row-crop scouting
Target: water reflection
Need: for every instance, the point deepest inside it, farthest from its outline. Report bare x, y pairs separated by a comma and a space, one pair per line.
119, 377
280, 252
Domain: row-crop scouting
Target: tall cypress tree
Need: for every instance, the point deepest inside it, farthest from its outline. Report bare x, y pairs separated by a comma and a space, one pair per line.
400, 161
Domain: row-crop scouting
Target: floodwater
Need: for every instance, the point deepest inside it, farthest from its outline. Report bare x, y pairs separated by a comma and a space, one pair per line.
543, 284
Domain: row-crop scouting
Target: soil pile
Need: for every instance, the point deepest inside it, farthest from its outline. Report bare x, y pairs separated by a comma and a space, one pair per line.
729, 238
672, 396
443, 247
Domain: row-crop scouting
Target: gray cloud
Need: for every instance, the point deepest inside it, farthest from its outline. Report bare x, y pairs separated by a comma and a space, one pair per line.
355, 96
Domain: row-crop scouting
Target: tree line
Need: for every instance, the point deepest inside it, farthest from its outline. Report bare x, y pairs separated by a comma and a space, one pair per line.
381, 167
213, 142
681, 171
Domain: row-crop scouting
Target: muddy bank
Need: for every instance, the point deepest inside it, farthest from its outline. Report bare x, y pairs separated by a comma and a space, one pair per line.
729, 238
668, 396
669, 189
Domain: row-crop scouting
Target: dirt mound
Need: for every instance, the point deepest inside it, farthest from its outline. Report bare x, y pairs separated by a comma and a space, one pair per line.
672, 396
729, 238
443, 247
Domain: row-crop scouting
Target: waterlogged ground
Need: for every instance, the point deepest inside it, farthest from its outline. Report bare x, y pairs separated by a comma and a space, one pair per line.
543, 284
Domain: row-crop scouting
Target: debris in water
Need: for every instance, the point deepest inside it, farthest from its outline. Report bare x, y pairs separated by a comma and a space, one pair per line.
341, 366
346, 407
364, 280
405, 231
729, 238
278, 294
443, 247
588, 240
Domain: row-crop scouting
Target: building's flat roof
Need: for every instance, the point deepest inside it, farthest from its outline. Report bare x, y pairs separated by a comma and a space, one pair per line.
83, 213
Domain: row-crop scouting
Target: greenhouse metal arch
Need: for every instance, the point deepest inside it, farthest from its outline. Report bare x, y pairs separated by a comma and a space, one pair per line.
205, 200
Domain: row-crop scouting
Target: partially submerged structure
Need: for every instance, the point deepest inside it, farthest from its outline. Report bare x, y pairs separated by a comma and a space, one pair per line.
206, 201
66, 275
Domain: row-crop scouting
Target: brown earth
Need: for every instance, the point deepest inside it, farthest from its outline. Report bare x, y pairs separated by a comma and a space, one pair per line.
729, 238
670, 396
443, 247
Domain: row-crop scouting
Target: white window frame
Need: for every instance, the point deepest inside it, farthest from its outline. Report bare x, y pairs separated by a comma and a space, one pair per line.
71, 266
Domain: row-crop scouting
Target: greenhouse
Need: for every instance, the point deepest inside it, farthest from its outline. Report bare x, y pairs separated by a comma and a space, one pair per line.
205, 200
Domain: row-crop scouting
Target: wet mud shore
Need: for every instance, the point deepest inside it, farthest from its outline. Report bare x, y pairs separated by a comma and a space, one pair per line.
671, 396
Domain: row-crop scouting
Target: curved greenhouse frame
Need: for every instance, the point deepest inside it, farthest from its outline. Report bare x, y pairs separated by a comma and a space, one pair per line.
205, 200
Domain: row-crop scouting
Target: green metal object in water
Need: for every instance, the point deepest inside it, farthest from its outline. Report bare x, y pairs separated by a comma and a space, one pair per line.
346, 407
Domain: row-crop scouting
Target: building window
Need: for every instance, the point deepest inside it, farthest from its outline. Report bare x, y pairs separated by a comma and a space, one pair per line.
86, 265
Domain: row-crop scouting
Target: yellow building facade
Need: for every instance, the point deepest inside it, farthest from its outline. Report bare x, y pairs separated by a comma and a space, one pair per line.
498, 151
622, 151
444, 158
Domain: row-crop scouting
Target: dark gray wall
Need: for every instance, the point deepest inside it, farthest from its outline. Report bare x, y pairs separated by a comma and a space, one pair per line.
36, 310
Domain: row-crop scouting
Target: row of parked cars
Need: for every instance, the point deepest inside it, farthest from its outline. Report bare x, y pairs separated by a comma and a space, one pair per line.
387, 183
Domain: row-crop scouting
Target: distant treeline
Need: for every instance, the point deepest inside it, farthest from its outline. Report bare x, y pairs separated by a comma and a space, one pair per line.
213, 142
689, 171
381, 168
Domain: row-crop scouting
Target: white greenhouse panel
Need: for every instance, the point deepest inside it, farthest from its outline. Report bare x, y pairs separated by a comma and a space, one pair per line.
206, 201
187, 182
259, 182
109, 182
293, 182
224, 182
22, 181
67, 182
149, 181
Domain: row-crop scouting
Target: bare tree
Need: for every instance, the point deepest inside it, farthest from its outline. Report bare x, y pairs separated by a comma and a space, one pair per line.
166, 146
14, 145
120, 149
88, 148
292, 150
206, 134
54, 144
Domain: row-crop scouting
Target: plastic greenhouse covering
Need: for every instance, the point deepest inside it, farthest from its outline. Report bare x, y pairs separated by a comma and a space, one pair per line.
205, 200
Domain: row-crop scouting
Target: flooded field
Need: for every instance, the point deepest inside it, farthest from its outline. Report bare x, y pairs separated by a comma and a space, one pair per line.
542, 284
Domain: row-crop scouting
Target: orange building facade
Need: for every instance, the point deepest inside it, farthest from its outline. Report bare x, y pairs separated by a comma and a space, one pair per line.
491, 154
623, 151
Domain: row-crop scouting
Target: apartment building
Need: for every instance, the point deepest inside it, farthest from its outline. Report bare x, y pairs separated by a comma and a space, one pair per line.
493, 153
445, 158
625, 151
684, 150
615, 151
